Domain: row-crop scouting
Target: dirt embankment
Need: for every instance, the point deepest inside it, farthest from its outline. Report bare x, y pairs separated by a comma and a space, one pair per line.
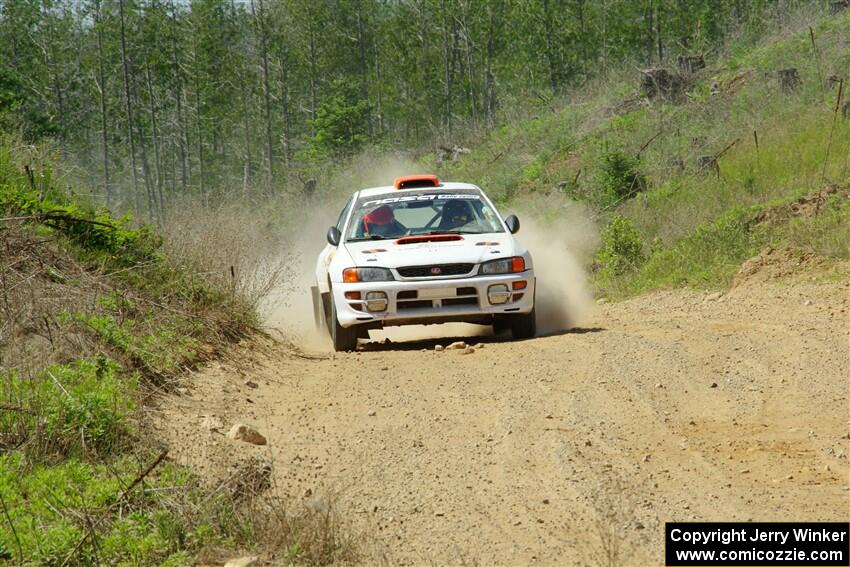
573, 448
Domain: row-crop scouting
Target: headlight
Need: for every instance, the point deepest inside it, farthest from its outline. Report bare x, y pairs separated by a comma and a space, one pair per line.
354, 275
504, 266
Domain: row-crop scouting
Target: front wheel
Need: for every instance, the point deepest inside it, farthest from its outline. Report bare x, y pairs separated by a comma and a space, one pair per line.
343, 339
523, 326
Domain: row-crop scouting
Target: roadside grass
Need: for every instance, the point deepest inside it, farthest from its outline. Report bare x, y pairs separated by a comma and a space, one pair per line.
97, 318
80, 512
827, 235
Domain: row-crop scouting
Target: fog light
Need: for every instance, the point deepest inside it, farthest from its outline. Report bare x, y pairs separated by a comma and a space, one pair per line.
498, 294
521, 284
376, 301
352, 295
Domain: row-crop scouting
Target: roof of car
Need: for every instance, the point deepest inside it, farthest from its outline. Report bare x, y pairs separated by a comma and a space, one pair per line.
390, 189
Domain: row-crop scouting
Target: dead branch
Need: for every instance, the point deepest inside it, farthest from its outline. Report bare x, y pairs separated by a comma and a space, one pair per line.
55, 215
19, 409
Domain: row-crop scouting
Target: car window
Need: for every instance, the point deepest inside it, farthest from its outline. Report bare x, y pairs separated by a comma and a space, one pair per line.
344, 213
415, 213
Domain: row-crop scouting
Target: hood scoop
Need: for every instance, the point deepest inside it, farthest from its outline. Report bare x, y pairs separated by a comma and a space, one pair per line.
428, 238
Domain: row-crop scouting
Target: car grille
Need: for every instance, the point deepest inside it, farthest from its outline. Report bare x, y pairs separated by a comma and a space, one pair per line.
441, 270
428, 304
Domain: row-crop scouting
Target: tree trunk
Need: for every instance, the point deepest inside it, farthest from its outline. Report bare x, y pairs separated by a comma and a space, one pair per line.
182, 130
153, 212
448, 72
364, 68
246, 121
489, 80
259, 17
129, 107
104, 124
554, 74
154, 137
284, 101
200, 120
311, 31
53, 65
379, 87
658, 32
582, 38
470, 65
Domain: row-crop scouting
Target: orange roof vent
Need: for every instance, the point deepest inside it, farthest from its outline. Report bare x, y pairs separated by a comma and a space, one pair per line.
416, 181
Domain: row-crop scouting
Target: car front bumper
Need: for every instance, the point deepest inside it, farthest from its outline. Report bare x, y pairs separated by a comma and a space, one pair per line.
434, 300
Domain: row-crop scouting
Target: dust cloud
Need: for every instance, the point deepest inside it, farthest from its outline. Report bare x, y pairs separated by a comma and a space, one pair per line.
559, 249
288, 309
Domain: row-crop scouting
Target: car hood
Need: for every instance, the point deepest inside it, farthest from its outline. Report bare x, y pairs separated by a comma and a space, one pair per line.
474, 248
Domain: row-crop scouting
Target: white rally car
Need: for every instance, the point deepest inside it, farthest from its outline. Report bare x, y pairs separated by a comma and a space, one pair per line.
421, 252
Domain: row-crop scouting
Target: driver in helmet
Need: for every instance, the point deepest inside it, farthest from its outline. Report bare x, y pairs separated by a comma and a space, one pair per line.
382, 222
455, 214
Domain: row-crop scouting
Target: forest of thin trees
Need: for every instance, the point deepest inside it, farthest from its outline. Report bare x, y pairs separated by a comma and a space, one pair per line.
159, 98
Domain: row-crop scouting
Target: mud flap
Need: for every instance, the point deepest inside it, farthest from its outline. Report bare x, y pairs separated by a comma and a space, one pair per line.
318, 311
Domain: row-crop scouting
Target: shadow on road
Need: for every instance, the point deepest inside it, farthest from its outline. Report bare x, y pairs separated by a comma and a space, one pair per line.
573, 331
388, 344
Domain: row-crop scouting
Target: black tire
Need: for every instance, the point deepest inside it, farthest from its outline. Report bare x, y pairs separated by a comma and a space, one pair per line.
344, 340
524, 326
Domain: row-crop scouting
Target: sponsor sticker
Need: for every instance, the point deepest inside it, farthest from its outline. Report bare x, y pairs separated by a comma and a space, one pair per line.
431, 197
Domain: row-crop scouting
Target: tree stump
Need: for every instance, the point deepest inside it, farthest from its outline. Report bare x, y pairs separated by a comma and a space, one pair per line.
838, 6
691, 63
789, 79
661, 83
706, 164
309, 186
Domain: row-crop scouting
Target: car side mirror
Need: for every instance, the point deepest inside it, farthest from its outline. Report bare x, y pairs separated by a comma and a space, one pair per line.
334, 236
513, 223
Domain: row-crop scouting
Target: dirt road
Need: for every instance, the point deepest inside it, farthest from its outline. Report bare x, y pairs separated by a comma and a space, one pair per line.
568, 449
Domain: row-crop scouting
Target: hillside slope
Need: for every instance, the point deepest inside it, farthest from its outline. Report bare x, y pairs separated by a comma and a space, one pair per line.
681, 185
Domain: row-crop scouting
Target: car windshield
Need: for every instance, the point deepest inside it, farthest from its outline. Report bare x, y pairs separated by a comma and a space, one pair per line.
393, 216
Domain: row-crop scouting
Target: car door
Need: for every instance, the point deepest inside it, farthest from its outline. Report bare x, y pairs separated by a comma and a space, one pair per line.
328, 252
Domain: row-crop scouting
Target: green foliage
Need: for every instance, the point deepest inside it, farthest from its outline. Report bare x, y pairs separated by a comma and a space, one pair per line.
826, 234
50, 508
619, 176
227, 91
706, 259
622, 249
341, 123
16, 112
27, 191
711, 256
97, 234
161, 352
68, 410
